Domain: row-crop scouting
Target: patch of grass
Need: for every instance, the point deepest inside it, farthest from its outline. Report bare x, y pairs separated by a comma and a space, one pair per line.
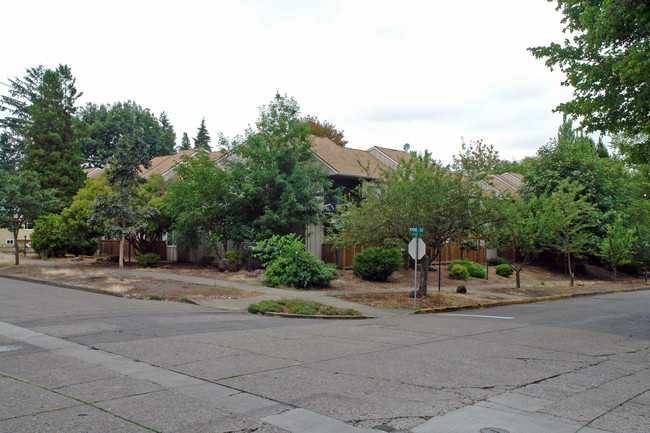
437, 298
298, 306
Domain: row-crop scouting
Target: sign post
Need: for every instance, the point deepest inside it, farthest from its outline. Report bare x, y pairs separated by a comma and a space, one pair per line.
416, 250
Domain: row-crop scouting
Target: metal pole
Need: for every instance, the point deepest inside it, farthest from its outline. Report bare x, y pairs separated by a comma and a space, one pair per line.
439, 267
415, 284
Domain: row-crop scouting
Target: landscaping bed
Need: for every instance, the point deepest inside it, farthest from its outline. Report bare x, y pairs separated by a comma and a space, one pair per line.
128, 286
299, 307
433, 300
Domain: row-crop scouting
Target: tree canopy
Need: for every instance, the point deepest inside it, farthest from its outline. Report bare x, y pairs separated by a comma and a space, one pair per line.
274, 179
22, 199
419, 193
40, 129
606, 59
323, 128
104, 125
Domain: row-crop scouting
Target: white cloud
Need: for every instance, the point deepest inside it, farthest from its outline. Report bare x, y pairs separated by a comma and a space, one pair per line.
387, 73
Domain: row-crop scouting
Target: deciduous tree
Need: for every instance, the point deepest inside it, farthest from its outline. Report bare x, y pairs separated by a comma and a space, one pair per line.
617, 247
419, 193
323, 128
22, 199
606, 59
275, 182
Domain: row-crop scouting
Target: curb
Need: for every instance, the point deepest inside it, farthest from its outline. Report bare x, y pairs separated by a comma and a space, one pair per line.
315, 316
523, 301
64, 286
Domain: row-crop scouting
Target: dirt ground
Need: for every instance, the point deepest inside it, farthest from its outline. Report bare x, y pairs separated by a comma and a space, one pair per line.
536, 281
91, 274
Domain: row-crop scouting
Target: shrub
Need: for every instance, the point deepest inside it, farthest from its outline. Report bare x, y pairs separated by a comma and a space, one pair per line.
475, 270
310, 271
496, 261
504, 270
302, 307
269, 249
377, 264
237, 256
459, 272
298, 306
48, 238
461, 289
147, 259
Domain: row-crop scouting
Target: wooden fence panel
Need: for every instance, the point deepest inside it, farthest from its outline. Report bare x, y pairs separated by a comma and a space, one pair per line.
344, 257
112, 248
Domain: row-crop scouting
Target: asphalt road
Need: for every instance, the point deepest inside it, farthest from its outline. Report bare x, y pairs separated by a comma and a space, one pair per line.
73, 361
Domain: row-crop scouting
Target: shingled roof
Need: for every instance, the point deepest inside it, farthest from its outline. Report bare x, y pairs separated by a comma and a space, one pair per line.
343, 161
163, 165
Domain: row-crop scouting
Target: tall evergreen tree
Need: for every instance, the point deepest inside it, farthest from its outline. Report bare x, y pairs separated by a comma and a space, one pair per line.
52, 146
202, 139
39, 129
168, 136
185, 142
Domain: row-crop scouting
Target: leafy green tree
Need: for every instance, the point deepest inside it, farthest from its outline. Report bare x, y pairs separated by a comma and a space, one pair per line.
523, 230
606, 60
275, 183
573, 156
323, 128
419, 193
15, 105
104, 125
185, 142
639, 213
477, 157
202, 139
197, 202
616, 248
151, 195
22, 199
570, 217
119, 211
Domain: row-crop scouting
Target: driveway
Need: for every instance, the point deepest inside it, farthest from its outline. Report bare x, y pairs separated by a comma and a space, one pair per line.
81, 362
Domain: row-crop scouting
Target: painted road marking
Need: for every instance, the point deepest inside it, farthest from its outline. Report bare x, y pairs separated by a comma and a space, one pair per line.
477, 315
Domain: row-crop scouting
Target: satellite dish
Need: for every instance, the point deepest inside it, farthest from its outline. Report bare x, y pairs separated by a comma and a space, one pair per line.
407, 147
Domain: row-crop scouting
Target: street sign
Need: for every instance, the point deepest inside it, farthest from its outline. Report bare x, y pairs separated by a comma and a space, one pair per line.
416, 231
417, 248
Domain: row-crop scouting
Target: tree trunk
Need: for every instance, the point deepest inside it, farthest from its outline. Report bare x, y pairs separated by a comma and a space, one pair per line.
614, 267
568, 257
517, 279
16, 250
424, 274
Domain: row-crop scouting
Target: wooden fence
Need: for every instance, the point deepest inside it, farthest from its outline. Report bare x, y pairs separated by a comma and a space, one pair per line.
112, 248
343, 258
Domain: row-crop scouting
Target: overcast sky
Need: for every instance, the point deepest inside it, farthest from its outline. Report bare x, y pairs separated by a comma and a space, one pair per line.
426, 72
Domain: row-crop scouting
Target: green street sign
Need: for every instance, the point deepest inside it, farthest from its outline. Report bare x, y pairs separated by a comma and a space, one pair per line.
416, 231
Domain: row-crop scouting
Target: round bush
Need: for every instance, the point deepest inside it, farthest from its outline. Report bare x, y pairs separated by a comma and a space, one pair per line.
147, 259
377, 264
459, 272
496, 261
475, 270
504, 270
282, 271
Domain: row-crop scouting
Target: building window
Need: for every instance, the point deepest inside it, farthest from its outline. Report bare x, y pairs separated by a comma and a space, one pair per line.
9, 241
29, 225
